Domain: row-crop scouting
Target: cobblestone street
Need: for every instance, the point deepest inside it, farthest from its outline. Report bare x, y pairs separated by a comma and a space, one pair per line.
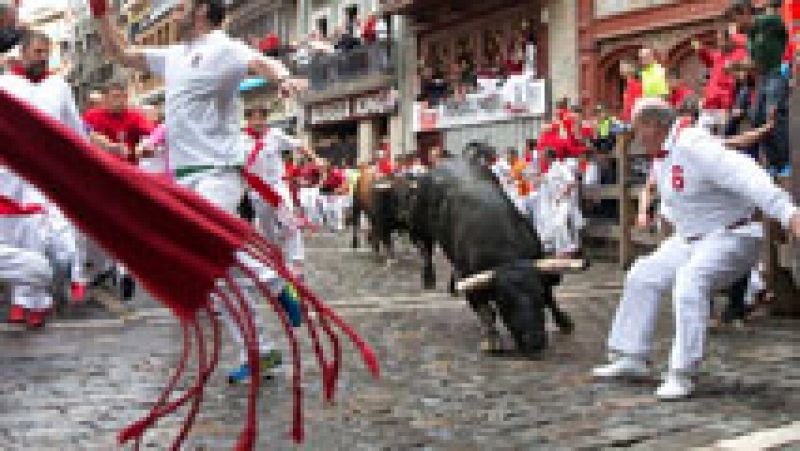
76, 383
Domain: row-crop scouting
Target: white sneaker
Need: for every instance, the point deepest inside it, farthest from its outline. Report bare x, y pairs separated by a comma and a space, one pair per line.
676, 386
623, 366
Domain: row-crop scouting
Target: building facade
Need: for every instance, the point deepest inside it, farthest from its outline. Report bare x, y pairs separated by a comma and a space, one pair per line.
611, 31
503, 47
90, 70
151, 23
353, 107
253, 21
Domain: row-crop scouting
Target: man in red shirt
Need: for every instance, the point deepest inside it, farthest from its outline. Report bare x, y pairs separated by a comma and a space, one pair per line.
385, 166
116, 126
550, 138
720, 91
633, 89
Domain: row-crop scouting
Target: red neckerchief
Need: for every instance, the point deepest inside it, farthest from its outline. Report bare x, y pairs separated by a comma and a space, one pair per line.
251, 132
259, 186
19, 70
10, 207
683, 123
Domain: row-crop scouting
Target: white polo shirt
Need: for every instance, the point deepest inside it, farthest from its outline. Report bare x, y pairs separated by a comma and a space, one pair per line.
201, 87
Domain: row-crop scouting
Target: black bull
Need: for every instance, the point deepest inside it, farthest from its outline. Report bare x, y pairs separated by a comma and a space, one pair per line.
459, 206
386, 202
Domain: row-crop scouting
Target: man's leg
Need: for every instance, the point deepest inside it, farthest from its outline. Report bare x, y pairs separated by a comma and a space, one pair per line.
715, 262
31, 234
29, 277
647, 281
24, 267
736, 295
225, 190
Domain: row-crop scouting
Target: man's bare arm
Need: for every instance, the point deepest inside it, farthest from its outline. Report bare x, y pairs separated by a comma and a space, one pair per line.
275, 71
115, 45
749, 138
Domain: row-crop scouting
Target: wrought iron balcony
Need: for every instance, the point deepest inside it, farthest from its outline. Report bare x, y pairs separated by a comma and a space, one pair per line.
348, 66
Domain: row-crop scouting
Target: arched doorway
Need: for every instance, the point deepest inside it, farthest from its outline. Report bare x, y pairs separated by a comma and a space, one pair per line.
683, 57
610, 84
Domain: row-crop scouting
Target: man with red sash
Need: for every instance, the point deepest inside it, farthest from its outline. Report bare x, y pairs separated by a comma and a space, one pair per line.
47, 232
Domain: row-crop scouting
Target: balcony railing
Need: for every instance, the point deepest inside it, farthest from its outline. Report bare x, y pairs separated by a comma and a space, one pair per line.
325, 71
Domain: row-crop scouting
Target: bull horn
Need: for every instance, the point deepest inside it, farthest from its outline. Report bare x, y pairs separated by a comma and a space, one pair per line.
545, 265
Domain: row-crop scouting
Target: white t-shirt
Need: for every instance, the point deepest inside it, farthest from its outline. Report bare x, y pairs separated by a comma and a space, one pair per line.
201, 86
53, 97
705, 187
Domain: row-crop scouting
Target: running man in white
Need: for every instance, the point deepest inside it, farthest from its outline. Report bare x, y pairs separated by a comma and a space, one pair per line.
276, 223
48, 233
710, 194
201, 77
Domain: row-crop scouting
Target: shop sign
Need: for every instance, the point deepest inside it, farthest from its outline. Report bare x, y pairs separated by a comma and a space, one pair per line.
330, 112
498, 100
373, 104
379, 103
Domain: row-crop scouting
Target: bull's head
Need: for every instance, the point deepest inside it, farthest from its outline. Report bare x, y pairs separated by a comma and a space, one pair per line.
519, 296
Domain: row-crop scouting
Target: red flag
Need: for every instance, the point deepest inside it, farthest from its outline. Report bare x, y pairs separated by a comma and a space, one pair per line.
179, 246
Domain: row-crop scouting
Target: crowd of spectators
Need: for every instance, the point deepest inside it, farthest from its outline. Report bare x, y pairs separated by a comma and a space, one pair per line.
321, 47
444, 76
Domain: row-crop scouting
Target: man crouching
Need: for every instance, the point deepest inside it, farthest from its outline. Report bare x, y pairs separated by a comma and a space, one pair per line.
710, 195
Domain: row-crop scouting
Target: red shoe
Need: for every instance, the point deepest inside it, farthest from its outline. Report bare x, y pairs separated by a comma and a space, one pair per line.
36, 318
16, 314
77, 292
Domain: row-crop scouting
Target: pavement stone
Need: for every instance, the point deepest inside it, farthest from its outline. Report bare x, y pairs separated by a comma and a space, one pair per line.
75, 387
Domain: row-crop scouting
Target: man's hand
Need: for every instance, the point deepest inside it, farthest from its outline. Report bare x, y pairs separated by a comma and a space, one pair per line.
643, 220
99, 8
695, 44
291, 86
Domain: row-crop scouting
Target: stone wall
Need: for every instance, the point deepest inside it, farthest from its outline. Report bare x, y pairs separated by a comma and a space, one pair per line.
563, 41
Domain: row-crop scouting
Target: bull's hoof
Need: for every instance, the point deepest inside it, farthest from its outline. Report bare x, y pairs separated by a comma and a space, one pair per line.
428, 283
565, 325
491, 345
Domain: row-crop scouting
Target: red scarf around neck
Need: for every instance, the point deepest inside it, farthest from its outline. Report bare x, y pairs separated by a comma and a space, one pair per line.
19, 70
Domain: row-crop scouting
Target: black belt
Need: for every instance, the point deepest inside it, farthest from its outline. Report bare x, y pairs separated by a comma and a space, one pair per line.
740, 223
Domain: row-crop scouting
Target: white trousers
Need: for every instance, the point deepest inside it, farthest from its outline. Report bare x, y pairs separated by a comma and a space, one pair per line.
29, 275
25, 244
310, 203
333, 206
290, 239
225, 189
692, 271
558, 222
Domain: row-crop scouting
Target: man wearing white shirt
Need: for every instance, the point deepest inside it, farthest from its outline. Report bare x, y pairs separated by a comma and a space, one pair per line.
710, 194
48, 233
202, 103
